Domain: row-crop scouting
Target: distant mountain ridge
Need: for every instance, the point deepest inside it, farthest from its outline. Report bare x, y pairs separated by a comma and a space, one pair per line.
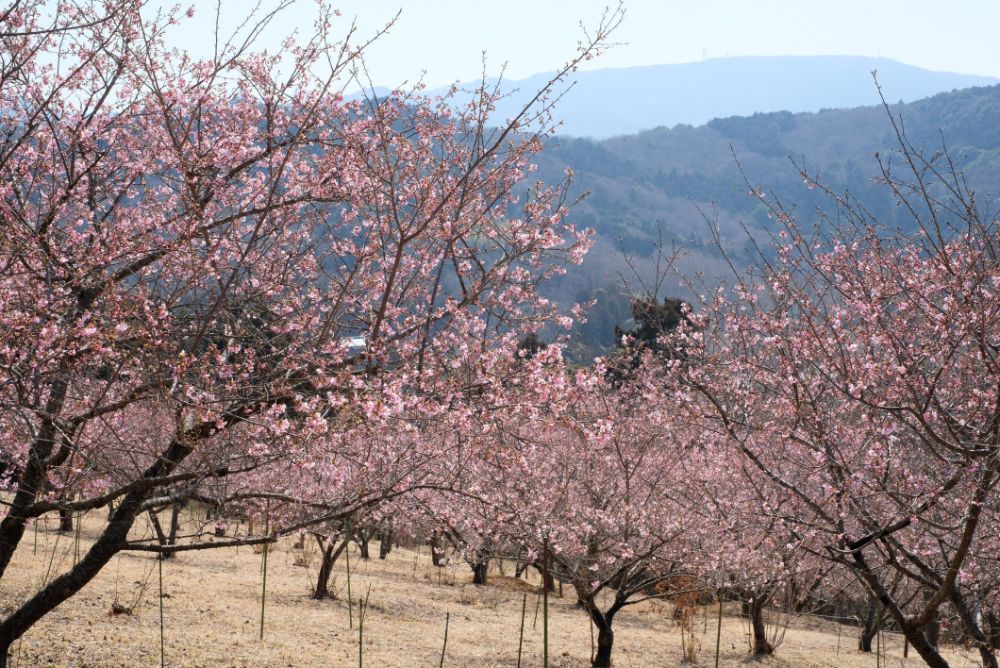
610, 102
665, 181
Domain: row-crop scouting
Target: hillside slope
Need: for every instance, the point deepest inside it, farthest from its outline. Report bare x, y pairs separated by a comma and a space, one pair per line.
670, 179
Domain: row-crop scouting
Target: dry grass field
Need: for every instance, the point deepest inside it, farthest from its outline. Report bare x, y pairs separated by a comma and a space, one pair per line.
212, 604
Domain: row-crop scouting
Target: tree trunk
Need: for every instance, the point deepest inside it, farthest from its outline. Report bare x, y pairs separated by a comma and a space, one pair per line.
548, 581
928, 652
363, 546
161, 536
605, 643
322, 589
932, 632
437, 552
32, 478
521, 565
175, 523
65, 521
973, 628
761, 646
108, 544
869, 628
994, 622
914, 634
329, 553
480, 569
385, 543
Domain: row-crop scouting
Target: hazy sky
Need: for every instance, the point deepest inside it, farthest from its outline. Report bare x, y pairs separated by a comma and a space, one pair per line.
446, 37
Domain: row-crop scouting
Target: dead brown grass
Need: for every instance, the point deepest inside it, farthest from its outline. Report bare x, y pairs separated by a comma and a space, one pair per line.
212, 615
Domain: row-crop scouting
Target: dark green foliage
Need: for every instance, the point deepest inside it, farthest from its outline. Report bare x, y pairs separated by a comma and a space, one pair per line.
652, 322
653, 319
530, 346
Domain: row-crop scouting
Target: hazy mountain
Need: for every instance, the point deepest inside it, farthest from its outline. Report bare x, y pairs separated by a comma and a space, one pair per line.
669, 179
609, 102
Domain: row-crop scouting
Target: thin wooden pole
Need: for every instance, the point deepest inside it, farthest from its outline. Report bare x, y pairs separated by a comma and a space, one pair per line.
163, 656
350, 608
76, 542
362, 608
263, 589
520, 640
718, 632
444, 646
878, 647
545, 604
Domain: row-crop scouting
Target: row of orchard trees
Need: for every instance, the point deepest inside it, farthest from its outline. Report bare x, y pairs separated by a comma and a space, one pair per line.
828, 425
189, 249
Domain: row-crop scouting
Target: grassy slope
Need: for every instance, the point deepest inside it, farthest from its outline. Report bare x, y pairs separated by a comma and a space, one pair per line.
212, 608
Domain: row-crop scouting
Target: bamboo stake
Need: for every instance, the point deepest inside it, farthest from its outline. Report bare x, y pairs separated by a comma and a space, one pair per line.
520, 640
263, 568
350, 609
163, 656
263, 589
76, 542
545, 604
444, 646
362, 609
878, 647
718, 632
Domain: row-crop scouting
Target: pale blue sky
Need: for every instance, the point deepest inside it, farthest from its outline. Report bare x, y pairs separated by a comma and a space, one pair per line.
445, 37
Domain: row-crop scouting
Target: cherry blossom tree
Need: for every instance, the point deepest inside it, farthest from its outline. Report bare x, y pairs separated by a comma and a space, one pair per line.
190, 249
586, 469
856, 374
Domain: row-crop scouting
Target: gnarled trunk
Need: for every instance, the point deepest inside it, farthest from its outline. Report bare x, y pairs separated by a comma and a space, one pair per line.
480, 570
169, 537
437, 551
918, 639
973, 628
329, 551
109, 543
65, 520
932, 631
33, 477
868, 628
603, 622
994, 622
175, 524
761, 645
548, 581
605, 643
385, 543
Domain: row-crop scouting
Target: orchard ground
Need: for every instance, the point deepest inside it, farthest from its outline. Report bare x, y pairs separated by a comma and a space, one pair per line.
212, 606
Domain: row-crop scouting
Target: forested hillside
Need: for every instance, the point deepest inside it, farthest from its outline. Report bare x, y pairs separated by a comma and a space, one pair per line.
674, 178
